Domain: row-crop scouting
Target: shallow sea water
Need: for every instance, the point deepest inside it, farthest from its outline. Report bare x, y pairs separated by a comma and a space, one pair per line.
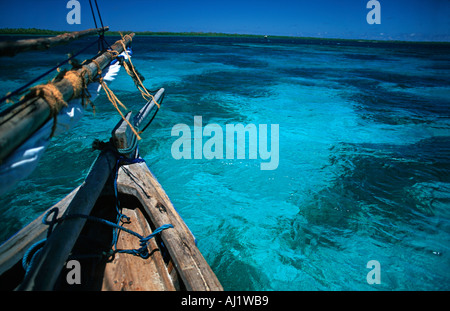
364, 157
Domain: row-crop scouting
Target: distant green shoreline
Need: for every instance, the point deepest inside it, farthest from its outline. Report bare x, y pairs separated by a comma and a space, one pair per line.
46, 32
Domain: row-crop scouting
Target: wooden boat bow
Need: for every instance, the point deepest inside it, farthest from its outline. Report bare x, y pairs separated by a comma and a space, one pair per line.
175, 262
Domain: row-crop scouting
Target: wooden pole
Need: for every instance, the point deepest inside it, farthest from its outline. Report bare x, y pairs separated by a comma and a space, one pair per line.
20, 121
143, 113
46, 269
123, 137
11, 48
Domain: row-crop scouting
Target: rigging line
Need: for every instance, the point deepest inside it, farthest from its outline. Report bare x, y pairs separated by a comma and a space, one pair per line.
102, 40
99, 15
19, 90
93, 15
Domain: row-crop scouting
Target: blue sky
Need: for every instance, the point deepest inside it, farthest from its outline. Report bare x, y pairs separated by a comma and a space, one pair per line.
400, 19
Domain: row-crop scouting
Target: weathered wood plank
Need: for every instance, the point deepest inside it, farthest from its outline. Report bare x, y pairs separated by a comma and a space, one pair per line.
122, 135
131, 273
59, 245
124, 139
195, 272
144, 112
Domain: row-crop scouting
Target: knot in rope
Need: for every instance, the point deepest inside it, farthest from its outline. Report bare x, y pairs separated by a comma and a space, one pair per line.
52, 96
143, 250
77, 82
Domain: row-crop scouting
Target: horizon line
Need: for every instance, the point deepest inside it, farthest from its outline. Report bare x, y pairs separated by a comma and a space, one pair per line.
42, 31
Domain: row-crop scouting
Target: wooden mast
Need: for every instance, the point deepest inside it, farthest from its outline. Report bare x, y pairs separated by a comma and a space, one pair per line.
20, 121
11, 48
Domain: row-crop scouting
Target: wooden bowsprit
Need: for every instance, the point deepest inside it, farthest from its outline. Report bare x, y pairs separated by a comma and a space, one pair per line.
20, 121
123, 137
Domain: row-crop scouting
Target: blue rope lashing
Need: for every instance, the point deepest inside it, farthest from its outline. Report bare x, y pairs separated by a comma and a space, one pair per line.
143, 241
142, 251
120, 161
35, 249
51, 223
33, 252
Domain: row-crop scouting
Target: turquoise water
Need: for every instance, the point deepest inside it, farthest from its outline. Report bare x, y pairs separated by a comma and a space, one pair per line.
364, 168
